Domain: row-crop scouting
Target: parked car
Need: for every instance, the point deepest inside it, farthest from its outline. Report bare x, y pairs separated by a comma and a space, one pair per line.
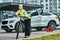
39, 20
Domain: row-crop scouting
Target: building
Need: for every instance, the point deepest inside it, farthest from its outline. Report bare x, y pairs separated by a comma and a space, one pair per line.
51, 5
9, 7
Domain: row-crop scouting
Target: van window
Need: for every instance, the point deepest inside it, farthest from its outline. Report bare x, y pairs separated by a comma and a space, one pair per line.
45, 14
34, 14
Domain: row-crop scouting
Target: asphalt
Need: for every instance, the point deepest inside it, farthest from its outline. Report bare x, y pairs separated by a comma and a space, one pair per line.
34, 34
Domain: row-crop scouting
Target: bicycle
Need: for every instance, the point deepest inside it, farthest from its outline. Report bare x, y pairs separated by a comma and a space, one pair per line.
19, 27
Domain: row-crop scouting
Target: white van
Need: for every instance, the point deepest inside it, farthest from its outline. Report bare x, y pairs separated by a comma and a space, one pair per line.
38, 20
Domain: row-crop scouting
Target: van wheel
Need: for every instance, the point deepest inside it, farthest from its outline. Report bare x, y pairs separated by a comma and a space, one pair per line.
39, 29
9, 30
52, 24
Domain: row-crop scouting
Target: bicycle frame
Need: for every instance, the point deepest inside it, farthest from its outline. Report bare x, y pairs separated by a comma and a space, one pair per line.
18, 28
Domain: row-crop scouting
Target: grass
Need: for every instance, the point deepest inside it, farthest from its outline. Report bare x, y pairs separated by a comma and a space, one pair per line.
50, 37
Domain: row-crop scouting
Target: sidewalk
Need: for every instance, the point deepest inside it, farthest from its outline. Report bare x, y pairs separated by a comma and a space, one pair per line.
34, 34
42, 33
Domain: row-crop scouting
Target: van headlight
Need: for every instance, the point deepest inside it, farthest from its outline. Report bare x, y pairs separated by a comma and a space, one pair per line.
11, 21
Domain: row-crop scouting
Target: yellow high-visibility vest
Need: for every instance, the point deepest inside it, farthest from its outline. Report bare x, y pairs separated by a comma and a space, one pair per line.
22, 13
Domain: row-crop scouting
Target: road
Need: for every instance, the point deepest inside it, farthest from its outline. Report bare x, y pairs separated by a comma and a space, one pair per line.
11, 36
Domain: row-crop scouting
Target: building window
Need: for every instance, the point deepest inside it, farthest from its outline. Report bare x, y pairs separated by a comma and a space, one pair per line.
59, 3
50, 0
59, 0
46, 4
50, 3
46, 7
55, 10
55, 7
51, 11
22, 1
50, 7
35, 1
59, 6
55, 0
42, 0
46, 0
16, 1
59, 10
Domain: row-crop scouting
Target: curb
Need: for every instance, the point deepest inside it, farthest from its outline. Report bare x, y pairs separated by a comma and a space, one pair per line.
30, 38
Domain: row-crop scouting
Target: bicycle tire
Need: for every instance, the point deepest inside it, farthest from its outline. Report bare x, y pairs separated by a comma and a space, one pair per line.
17, 31
18, 27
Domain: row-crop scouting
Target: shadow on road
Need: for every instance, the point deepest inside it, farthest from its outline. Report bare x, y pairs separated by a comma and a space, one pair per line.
57, 28
31, 31
20, 32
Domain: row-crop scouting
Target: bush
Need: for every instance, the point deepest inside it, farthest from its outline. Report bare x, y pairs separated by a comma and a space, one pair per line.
59, 19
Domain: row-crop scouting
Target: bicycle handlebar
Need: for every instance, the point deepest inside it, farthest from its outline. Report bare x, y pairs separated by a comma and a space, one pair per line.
22, 16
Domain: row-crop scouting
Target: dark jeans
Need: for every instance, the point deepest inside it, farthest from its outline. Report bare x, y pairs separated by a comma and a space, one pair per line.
27, 27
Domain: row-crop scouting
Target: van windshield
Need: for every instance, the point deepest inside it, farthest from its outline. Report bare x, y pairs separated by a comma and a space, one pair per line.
11, 15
